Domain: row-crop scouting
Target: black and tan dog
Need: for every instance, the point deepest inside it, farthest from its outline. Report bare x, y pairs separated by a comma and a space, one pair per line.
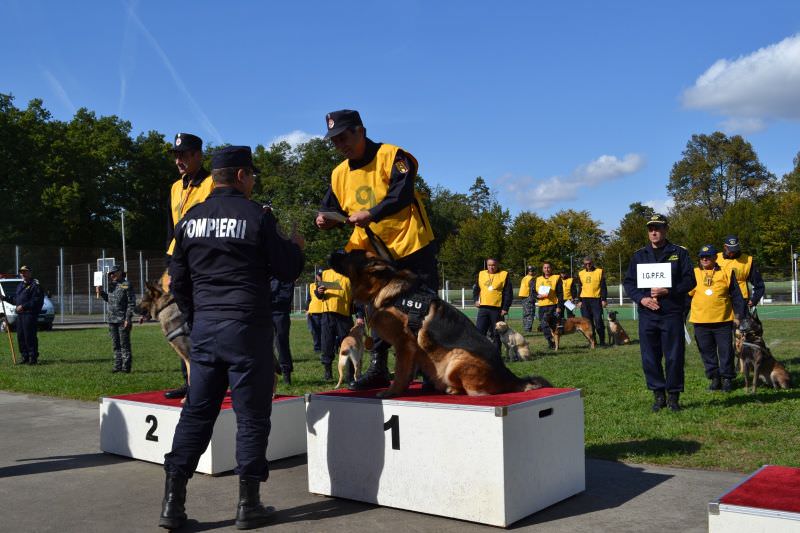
616, 333
567, 326
427, 332
754, 354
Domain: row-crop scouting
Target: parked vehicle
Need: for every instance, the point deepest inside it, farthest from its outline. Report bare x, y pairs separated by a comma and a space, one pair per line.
46, 315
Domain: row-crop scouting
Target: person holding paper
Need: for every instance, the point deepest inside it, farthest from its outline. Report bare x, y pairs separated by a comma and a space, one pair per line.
527, 299
493, 295
549, 299
373, 189
314, 313
590, 286
336, 302
714, 300
121, 301
661, 312
567, 288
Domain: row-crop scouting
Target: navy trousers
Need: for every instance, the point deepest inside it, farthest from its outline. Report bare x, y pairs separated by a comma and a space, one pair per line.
592, 308
546, 310
335, 327
661, 339
315, 327
26, 336
715, 342
485, 322
226, 353
281, 322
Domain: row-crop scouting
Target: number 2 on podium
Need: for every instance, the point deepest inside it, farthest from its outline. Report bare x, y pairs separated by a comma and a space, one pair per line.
151, 434
394, 424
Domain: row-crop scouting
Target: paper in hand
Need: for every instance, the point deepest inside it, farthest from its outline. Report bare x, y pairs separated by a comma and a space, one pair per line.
98, 279
333, 215
544, 290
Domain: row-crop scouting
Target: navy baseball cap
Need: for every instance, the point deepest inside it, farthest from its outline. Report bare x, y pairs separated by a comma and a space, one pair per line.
232, 157
531, 268
707, 251
185, 142
338, 121
732, 243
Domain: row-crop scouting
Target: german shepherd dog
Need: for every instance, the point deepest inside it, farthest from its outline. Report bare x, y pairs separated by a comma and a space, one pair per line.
448, 347
616, 333
754, 354
567, 326
352, 348
516, 345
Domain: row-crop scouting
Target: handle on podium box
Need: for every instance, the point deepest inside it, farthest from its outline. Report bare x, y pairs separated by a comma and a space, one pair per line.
545, 412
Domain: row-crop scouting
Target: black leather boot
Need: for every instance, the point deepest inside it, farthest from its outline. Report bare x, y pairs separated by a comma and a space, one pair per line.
659, 400
173, 511
715, 383
176, 394
672, 401
251, 513
376, 376
328, 372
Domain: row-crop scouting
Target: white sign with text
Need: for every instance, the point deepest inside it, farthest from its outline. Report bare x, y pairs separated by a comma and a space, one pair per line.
649, 275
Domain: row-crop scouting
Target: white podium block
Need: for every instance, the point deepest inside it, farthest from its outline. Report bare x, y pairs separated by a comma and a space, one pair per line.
768, 501
142, 426
488, 459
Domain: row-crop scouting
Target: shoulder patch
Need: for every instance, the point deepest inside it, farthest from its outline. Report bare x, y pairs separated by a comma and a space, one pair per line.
124, 284
401, 167
673, 257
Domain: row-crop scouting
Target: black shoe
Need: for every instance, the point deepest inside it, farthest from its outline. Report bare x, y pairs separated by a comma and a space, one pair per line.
173, 511
328, 372
24, 361
672, 402
115, 370
376, 376
176, 394
251, 513
715, 383
287, 377
126, 370
660, 400
33, 362
727, 385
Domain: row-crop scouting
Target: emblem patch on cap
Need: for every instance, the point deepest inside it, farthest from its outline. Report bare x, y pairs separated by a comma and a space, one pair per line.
731, 241
705, 248
178, 141
401, 167
330, 123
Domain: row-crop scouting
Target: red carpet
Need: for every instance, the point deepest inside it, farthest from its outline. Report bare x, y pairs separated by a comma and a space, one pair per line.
157, 397
415, 394
773, 487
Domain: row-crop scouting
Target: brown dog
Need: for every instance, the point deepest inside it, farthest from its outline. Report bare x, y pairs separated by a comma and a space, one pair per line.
516, 345
352, 348
754, 354
616, 333
567, 326
427, 332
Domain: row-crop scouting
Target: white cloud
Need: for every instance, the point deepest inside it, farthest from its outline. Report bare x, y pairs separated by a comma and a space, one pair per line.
752, 89
541, 194
294, 138
661, 206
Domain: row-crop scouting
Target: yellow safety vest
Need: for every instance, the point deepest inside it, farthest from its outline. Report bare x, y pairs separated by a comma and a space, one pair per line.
711, 300
181, 200
552, 298
525, 287
590, 283
403, 232
741, 265
336, 300
315, 305
566, 286
491, 287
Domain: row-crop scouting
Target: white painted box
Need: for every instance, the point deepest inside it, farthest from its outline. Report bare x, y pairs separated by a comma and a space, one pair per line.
490, 459
142, 426
767, 501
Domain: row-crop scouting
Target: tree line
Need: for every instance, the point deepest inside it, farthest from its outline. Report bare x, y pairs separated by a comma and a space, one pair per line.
66, 182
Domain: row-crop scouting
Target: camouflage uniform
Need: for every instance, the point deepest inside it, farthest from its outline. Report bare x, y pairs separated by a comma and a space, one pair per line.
121, 301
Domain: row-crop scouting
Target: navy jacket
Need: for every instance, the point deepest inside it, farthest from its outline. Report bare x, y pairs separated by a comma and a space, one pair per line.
226, 250
30, 296
282, 295
674, 303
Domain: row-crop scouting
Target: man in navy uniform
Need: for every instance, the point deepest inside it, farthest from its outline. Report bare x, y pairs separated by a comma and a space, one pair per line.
29, 299
661, 314
226, 250
282, 296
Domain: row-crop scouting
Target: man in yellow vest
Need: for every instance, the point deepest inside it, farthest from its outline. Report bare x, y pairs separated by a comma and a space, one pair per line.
592, 293
527, 300
493, 295
733, 260
567, 286
314, 313
549, 295
373, 190
334, 292
715, 298
193, 187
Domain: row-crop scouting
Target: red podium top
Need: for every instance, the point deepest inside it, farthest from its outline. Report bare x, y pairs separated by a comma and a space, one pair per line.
415, 394
773, 487
157, 397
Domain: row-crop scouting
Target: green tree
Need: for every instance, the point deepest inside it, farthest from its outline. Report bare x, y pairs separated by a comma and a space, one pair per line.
481, 198
628, 237
791, 180
522, 241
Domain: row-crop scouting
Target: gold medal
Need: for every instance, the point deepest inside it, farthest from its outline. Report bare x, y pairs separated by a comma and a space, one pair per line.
709, 292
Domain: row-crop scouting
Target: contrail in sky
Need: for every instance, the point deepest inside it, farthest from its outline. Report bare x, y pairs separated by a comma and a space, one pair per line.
127, 58
58, 89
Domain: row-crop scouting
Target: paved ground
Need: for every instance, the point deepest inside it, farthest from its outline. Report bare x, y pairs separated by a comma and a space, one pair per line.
54, 478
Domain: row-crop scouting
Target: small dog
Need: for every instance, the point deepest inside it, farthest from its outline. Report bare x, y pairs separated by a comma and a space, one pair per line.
616, 333
754, 354
446, 346
352, 348
516, 345
567, 326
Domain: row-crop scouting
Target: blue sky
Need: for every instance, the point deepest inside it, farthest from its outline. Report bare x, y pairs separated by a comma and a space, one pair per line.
580, 105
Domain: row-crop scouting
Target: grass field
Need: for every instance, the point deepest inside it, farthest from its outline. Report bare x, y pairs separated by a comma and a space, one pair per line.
736, 431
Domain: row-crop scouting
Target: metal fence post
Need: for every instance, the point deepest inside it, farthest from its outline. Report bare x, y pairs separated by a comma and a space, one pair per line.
141, 276
61, 282
89, 283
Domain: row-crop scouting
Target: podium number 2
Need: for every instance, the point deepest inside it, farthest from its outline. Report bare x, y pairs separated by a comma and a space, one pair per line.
394, 425
153, 421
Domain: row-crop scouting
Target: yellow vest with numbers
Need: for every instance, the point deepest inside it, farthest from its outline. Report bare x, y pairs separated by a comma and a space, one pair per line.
590, 283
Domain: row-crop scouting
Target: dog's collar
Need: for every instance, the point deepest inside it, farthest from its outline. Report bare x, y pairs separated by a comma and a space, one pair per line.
415, 302
181, 331
169, 302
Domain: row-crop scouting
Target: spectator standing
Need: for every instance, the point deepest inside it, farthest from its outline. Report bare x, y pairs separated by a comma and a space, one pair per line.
121, 303
28, 300
493, 295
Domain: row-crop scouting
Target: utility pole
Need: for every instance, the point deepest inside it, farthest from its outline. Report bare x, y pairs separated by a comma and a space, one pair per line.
124, 252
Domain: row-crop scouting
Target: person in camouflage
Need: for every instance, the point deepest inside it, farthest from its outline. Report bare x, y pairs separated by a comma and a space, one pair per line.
121, 301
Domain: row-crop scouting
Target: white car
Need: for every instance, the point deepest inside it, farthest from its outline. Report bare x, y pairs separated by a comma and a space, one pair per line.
8, 287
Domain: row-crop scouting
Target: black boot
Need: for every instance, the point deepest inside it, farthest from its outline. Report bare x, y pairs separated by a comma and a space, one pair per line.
251, 514
287, 377
173, 512
715, 383
672, 401
376, 376
328, 372
727, 385
176, 394
660, 400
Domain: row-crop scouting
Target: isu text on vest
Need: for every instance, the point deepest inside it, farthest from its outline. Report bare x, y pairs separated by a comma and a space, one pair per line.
220, 228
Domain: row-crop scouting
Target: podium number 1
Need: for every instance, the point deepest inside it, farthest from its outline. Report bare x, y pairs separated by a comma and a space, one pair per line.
151, 435
394, 424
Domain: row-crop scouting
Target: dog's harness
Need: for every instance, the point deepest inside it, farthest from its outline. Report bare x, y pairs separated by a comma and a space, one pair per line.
415, 303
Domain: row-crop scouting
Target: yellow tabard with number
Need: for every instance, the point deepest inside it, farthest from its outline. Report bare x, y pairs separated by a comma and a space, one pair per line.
552, 298
741, 265
525, 287
590, 283
403, 232
711, 301
566, 286
181, 200
336, 300
491, 286
315, 305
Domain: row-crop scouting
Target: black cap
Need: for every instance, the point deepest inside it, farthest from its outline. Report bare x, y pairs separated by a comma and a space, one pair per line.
185, 142
23, 267
338, 121
531, 268
707, 251
114, 269
732, 243
658, 220
319, 272
232, 157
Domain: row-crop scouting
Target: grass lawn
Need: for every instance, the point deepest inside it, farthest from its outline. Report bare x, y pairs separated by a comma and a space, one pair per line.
736, 431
